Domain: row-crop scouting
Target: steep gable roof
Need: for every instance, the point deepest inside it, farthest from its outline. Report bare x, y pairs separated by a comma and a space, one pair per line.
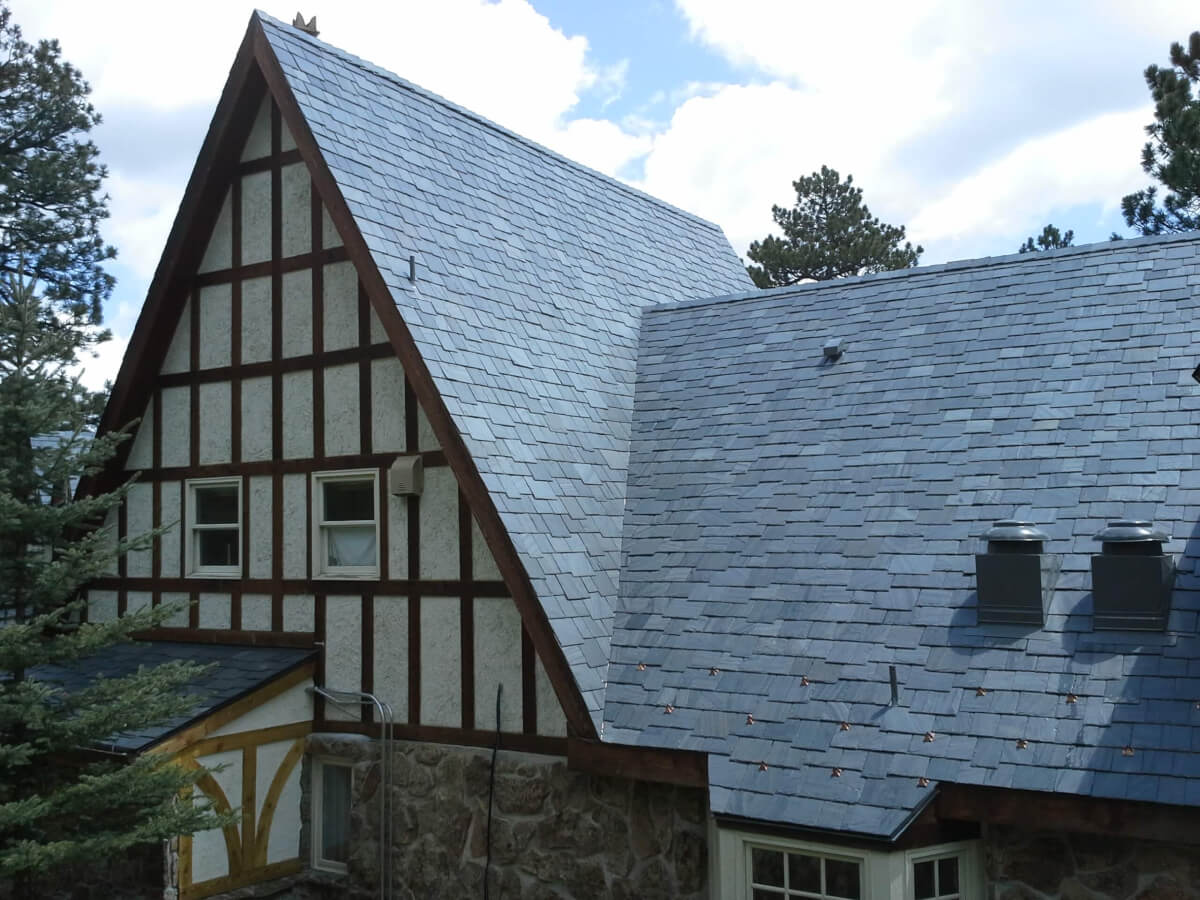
794, 527
531, 271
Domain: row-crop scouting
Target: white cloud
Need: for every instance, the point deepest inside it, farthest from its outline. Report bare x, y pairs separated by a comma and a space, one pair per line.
103, 365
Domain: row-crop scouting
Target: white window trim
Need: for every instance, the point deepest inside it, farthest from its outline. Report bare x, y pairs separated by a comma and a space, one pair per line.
318, 774
886, 875
321, 568
194, 569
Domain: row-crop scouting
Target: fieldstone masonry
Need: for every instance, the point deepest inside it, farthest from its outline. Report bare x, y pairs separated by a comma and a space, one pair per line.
555, 833
1025, 865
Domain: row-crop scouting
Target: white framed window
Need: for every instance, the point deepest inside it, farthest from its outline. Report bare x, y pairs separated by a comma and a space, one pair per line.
332, 787
214, 526
752, 866
346, 524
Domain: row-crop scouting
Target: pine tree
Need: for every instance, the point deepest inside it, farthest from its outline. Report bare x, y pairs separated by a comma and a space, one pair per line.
829, 233
1172, 155
1050, 239
61, 802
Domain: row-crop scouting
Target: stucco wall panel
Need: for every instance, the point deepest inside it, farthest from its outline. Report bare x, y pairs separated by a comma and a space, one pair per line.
483, 565
297, 209
551, 721
295, 527
286, 141
136, 601
329, 232
215, 422
171, 511
256, 419
209, 856
497, 662
218, 254
341, 306
441, 662
426, 439
293, 705
256, 612
439, 525
283, 842
256, 320
259, 506
141, 447
297, 325
256, 217
378, 335
177, 426
297, 415
387, 405
397, 535
343, 651
139, 519
214, 610
102, 606
179, 352
109, 541
391, 653
179, 601
298, 612
341, 410
258, 142
216, 325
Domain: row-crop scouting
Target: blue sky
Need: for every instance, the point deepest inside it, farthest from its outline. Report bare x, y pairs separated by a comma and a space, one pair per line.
973, 124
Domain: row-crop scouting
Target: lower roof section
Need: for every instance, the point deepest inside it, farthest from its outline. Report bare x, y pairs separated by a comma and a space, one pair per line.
235, 672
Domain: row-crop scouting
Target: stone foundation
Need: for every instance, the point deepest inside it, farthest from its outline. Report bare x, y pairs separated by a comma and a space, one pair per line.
1025, 865
555, 833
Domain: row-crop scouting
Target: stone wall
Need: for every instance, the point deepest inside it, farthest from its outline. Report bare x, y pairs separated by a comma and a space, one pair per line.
555, 833
1025, 865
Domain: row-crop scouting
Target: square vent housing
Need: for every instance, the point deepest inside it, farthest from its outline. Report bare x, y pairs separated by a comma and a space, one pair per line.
1014, 578
1132, 578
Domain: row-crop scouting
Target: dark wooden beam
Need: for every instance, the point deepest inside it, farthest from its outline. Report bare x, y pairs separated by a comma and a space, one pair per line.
685, 767
225, 636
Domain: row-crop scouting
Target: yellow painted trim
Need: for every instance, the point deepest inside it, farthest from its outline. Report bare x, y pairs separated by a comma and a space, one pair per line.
244, 739
209, 785
249, 779
226, 714
232, 882
286, 765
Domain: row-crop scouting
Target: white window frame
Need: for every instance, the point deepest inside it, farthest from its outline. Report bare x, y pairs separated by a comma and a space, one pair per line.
194, 569
318, 792
885, 875
321, 567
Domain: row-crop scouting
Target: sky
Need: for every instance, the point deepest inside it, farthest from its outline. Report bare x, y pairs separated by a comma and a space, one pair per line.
973, 124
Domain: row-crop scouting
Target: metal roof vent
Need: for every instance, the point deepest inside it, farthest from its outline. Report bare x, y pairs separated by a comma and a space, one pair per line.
1132, 578
1014, 578
406, 476
834, 349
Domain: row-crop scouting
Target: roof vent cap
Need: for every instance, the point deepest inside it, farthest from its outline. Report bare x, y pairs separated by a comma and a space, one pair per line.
1132, 578
1014, 578
834, 348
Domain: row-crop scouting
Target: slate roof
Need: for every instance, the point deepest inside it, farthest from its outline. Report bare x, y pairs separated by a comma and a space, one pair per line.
532, 270
237, 671
790, 519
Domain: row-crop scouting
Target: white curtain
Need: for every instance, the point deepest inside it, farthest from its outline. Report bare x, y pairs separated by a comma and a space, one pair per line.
350, 545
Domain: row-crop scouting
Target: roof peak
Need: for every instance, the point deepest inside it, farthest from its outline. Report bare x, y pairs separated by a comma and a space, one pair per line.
401, 82
963, 265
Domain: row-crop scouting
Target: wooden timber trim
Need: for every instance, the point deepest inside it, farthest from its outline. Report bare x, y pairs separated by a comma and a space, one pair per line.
466, 615
193, 735
271, 367
299, 639
264, 163
1068, 812
198, 211
267, 813
398, 587
212, 788
465, 737
304, 466
243, 740
685, 767
264, 269
231, 882
579, 719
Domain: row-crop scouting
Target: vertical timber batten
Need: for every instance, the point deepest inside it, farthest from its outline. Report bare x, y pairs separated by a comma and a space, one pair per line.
579, 719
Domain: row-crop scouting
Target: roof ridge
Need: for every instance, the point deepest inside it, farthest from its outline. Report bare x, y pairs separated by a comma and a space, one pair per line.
407, 85
981, 262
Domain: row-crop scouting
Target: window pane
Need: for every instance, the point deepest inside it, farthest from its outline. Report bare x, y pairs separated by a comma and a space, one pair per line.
218, 547
335, 813
767, 866
217, 505
762, 894
948, 876
804, 873
841, 879
350, 545
923, 886
349, 500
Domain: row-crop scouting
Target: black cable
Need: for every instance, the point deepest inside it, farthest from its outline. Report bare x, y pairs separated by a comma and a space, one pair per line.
487, 868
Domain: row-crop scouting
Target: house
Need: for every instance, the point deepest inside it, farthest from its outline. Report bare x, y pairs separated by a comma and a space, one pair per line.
534, 545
